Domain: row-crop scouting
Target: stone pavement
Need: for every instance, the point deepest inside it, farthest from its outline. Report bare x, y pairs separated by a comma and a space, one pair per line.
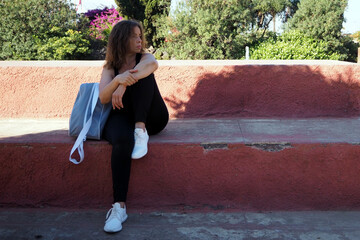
53, 223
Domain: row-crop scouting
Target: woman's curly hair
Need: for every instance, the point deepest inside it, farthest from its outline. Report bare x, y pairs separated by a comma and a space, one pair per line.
118, 43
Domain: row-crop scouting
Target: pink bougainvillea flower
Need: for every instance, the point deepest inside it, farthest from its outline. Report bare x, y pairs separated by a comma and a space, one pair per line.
102, 21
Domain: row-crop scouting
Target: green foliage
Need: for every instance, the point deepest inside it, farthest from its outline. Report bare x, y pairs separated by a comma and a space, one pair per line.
271, 5
356, 36
147, 12
349, 48
72, 46
28, 25
293, 7
154, 9
294, 45
268, 9
134, 9
207, 29
321, 19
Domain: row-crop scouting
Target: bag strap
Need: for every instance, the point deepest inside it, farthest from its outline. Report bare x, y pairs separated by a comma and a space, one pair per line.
79, 143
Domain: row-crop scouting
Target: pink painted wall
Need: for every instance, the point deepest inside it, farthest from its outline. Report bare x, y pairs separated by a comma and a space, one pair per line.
302, 177
254, 90
306, 176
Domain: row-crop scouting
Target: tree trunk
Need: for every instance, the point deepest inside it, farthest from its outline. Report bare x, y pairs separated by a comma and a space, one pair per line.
274, 20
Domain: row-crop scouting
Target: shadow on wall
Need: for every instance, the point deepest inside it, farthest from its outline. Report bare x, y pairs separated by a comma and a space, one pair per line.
295, 91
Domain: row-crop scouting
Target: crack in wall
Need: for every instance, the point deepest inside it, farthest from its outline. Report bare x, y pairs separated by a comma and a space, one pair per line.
213, 146
270, 147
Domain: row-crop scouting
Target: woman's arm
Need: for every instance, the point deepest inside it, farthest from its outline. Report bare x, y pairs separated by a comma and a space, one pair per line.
146, 66
109, 83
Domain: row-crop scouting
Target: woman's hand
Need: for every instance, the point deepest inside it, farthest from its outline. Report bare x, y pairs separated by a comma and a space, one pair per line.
127, 78
117, 97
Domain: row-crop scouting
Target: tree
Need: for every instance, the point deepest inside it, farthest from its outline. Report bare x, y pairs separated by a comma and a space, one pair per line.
208, 29
28, 25
290, 10
154, 9
270, 8
147, 12
133, 9
323, 20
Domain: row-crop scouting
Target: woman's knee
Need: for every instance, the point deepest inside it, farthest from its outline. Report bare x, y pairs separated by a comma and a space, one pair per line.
147, 82
122, 139
122, 151
156, 126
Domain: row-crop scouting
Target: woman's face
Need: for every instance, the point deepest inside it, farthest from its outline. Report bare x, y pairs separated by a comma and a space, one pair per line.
135, 42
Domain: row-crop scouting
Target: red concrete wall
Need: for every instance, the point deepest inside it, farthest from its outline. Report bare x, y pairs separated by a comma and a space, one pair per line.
301, 177
196, 91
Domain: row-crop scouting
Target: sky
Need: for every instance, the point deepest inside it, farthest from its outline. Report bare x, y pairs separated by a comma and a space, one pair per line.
352, 17
352, 13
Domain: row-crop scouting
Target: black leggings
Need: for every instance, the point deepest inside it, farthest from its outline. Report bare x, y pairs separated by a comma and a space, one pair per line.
142, 103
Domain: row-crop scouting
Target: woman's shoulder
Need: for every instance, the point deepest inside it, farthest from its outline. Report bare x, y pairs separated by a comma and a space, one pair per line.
147, 56
108, 71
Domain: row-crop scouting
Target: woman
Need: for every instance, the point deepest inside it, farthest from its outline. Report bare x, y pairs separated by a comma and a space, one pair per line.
128, 81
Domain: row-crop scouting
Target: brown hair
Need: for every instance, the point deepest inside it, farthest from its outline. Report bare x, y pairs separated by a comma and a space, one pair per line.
118, 42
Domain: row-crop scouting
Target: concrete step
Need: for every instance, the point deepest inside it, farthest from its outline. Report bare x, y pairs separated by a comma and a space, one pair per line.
232, 163
51, 224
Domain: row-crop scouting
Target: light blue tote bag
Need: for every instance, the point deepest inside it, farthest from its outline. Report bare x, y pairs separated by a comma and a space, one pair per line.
88, 118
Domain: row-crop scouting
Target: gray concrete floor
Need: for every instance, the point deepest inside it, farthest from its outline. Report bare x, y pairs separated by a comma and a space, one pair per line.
51, 223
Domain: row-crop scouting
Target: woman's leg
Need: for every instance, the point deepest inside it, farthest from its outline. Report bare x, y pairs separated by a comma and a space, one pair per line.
148, 106
119, 131
158, 115
149, 112
141, 95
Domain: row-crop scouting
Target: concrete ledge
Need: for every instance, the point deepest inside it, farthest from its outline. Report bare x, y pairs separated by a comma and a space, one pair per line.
98, 63
195, 89
226, 130
246, 164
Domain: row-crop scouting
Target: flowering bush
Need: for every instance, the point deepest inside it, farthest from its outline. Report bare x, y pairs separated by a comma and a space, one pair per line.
102, 22
91, 14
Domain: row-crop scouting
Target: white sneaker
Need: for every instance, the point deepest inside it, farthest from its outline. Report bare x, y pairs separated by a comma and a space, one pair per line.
141, 141
114, 218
